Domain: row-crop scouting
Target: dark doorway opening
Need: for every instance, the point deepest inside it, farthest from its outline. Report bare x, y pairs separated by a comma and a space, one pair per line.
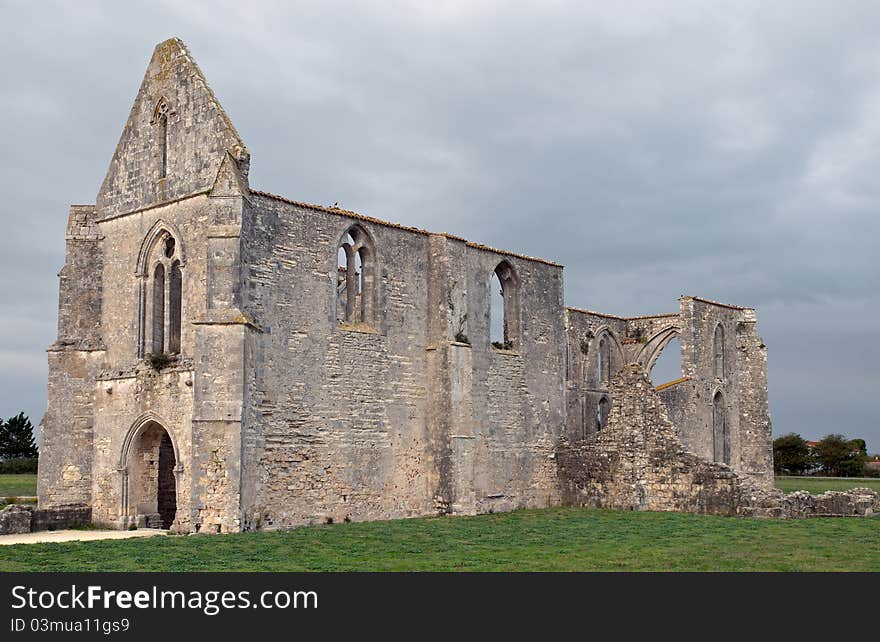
167, 492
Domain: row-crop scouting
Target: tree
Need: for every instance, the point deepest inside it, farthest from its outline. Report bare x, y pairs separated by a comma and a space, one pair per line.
791, 455
841, 457
17, 438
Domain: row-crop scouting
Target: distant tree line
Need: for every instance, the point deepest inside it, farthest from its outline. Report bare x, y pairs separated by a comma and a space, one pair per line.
833, 455
18, 449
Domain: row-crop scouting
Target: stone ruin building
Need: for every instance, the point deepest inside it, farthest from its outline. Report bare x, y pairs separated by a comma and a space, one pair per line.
229, 360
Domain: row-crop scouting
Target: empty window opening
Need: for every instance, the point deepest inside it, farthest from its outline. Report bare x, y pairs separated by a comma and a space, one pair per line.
166, 495
603, 361
720, 430
161, 121
504, 308
602, 410
356, 284
159, 309
174, 300
718, 353
496, 311
667, 367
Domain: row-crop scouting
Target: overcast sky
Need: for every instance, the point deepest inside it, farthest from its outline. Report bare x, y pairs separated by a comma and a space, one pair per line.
725, 150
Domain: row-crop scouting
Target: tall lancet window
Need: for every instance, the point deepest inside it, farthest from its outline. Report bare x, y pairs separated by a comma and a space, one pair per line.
158, 309
161, 294
718, 353
160, 119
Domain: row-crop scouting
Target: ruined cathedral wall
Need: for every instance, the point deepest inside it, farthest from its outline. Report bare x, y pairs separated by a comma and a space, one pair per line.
584, 390
335, 422
730, 379
504, 456
638, 462
75, 358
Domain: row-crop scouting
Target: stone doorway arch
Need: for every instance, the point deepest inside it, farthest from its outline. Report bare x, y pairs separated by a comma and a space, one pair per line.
150, 468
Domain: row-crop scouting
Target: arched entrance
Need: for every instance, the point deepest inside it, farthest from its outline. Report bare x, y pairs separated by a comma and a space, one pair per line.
150, 467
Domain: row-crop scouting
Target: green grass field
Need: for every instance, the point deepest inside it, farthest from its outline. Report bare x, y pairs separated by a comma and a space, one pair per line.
557, 539
16, 485
821, 484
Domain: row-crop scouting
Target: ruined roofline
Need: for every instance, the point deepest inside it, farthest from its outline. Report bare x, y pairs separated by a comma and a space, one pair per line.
669, 384
711, 302
369, 219
668, 315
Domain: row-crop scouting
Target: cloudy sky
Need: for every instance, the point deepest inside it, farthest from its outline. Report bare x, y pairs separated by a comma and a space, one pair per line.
725, 150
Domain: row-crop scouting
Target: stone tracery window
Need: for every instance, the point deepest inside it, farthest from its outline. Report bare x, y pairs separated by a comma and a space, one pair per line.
161, 296
357, 282
504, 310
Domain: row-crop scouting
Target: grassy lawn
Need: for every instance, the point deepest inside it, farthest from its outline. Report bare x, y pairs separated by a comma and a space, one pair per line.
556, 539
821, 484
15, 485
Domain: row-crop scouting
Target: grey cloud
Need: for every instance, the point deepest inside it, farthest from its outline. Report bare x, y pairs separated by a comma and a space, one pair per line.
655, 149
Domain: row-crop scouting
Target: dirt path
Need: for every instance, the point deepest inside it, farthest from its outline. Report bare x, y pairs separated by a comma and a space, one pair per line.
72, 536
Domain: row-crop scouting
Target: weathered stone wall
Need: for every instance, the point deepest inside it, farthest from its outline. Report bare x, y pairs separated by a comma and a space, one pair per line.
16, 519
742, 437
335, 425
856, 502
66, 437
584, 388
638, 462
517, 397
401, 418
742, 386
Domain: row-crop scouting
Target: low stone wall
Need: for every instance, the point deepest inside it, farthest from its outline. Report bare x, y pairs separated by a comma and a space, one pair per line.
15, 519
23, 518
638, 462
857, 502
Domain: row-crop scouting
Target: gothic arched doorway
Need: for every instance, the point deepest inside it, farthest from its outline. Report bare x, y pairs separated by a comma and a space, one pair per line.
150, 493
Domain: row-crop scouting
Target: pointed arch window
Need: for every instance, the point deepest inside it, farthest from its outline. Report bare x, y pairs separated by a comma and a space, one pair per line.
158, 310
175, 292
720, 430
603, 408
161, 295
718, 353
357, 279
504, 308
603, 360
